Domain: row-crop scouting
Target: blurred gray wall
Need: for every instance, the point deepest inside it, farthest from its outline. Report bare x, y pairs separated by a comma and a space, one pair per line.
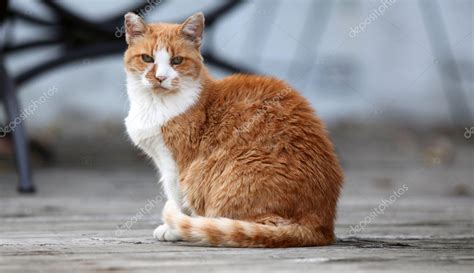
387, 72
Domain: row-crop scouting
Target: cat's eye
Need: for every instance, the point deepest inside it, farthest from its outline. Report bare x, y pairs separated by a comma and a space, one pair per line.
176, 60
147, 58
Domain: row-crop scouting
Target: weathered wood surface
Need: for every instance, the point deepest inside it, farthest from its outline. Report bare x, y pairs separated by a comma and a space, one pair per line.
78, 223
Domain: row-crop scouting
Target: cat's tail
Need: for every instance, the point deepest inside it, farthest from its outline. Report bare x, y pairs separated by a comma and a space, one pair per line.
236, 233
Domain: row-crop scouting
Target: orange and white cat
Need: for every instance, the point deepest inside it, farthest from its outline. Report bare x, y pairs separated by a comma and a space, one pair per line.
244, 161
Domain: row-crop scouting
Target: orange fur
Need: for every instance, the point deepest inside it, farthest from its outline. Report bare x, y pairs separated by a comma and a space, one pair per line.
256, 166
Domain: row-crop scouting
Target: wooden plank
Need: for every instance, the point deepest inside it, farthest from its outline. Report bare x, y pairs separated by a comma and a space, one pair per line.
79, 222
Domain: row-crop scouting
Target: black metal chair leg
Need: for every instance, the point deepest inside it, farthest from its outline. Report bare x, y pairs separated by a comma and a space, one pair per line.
12, 107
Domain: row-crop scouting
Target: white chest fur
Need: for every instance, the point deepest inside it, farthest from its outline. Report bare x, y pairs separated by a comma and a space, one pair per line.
148, 113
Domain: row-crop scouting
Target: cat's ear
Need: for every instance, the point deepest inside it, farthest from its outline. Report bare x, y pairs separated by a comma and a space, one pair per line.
193, 28
135, 27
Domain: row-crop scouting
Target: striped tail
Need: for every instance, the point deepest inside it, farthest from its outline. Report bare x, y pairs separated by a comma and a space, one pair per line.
236, 233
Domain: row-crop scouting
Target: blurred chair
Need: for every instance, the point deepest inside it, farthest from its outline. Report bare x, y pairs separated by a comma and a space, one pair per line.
80, 39
12, 108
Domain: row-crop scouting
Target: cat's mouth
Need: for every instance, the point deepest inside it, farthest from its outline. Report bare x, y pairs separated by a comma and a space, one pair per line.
161, 90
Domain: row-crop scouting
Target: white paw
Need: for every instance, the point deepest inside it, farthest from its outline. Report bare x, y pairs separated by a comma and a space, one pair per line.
166, 234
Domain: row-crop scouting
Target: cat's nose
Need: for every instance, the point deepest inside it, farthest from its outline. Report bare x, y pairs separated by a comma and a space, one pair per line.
161, 78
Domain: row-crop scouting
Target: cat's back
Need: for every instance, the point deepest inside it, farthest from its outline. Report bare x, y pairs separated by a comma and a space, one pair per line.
248, 93
249, 81
243, 90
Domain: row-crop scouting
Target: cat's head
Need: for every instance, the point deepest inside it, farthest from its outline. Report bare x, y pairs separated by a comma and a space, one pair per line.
163, 57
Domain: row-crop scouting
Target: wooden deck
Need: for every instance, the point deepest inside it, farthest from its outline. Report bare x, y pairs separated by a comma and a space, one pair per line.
101, 220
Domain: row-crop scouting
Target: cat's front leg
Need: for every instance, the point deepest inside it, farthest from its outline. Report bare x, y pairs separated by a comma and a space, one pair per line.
164, 232
171, 187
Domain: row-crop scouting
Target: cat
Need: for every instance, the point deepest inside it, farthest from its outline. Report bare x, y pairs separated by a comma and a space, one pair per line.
243, 161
